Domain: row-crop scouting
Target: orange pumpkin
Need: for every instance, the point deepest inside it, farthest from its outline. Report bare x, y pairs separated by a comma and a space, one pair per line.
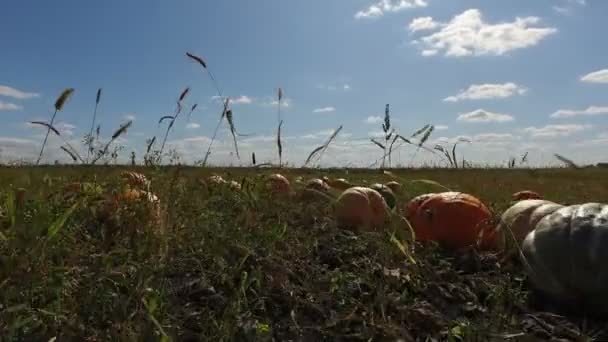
526, 195
454, 220
279, 184
394, 186
412, 206
361, 207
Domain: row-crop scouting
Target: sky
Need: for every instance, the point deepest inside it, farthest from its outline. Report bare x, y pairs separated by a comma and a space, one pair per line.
502, 77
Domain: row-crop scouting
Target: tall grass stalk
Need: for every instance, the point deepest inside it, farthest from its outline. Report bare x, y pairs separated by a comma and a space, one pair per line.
202, 63
117, 134
178, 110
70, 149
90, 137
280, 123
217, 128
59, 103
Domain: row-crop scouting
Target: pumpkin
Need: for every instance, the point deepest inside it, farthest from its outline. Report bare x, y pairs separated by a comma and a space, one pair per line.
234, 185
317, 184
339, 184
361, 207
565, 256
412, 206
135, 180
525, 195
394, 186
279, 184
521, 218
454, 220
386, 192
216, 180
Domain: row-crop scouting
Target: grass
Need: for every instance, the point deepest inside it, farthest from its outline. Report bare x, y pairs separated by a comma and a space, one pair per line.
219, 264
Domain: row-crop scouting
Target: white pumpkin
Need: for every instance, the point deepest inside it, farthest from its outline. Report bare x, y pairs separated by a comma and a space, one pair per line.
565, 256
521, 218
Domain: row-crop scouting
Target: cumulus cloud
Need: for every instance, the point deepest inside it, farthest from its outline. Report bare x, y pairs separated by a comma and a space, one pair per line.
423, 23
381, 7
600, 76
243, 99
441, 127
17, 94
468, 35
374, 119
9, 106
487, 91
481, 115
324, 110
590, 111
552, 131
192, 125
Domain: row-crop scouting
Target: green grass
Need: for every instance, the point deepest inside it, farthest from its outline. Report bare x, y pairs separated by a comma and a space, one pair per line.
228, 265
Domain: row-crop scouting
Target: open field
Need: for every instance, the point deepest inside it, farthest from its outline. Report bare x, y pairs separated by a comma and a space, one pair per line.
219, 264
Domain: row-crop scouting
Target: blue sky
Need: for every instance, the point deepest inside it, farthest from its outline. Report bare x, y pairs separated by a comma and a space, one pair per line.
511, 76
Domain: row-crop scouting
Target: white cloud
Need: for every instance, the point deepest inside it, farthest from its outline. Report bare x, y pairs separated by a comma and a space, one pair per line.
481, 115
344, 87
285, 103
323, 134
9, 106
423, 23
561, 10
494, 138
427, 53
441, 127
324, 110
243, 99
375, 134
386, 6
600, 76
374, 119
468, 35
552, 131
65, 128
192, 125
129, 117
487, 91
567, 113
17, 94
